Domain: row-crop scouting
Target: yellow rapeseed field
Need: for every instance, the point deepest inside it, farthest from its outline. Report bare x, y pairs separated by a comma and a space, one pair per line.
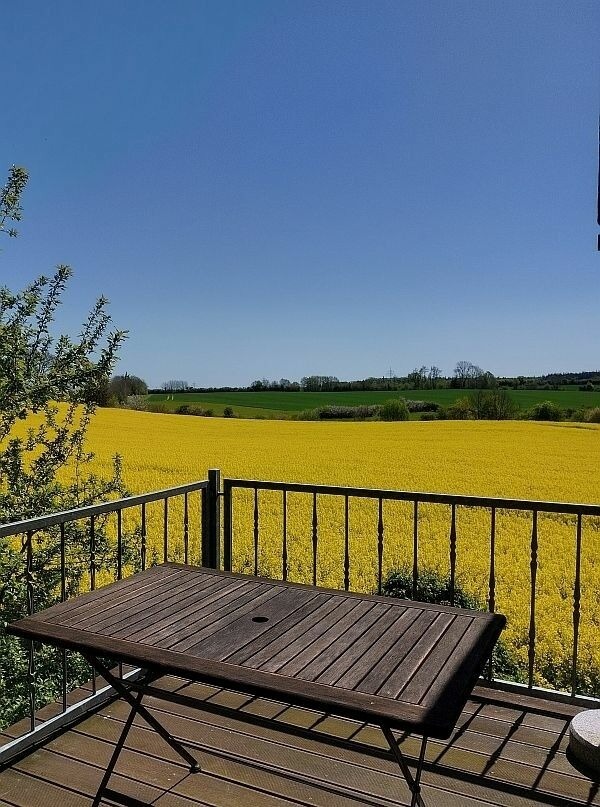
508, 459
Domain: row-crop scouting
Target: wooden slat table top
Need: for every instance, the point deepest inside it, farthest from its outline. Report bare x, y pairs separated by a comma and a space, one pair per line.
411, 665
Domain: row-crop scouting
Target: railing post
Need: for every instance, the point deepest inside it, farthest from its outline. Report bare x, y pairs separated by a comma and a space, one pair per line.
211, 521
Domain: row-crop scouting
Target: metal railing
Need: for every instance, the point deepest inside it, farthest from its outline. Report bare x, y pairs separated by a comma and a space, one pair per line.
196, 523
70, 552
416, 501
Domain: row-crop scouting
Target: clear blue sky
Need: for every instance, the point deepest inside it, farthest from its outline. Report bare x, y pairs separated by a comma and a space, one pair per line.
285, 188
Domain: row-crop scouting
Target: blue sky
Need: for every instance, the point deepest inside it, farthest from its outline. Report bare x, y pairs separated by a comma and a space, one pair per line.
268, 189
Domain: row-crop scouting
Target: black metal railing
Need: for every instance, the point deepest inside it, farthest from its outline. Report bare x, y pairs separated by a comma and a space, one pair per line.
419, 501
66, 553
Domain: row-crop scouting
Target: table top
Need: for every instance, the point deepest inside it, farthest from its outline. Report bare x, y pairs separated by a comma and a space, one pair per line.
408, 664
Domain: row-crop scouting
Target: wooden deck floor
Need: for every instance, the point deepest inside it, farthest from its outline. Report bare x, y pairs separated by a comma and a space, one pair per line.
506, 751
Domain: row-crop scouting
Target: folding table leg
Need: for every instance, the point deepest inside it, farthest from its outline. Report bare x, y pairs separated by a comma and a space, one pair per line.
115, 755
413, 782
138, 708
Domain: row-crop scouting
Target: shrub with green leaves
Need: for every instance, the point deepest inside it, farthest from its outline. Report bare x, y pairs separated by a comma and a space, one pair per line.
593, 415
394, 409
461, 409
545, 410
422, 406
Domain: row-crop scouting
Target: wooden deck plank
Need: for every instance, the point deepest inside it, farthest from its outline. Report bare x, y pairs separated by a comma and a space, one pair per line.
455, 756
24, 790
84, 776
218, 748
520, 752
238, 756
134, 762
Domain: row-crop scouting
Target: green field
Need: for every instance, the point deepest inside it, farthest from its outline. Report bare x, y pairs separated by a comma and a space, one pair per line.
284, 404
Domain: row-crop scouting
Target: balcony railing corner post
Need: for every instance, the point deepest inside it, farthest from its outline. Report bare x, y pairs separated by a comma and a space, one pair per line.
211, 521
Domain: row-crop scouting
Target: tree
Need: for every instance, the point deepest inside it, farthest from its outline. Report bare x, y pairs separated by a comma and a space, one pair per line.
44, 465
10, 199
434, 376
122, 387
175, 386
492, 404
418, 378
467, 374
319, 383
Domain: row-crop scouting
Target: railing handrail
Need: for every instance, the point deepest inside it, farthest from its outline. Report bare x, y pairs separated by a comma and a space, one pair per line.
541, 506
51, 520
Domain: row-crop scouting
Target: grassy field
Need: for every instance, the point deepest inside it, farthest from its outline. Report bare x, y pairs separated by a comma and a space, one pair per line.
284, 404
509, 459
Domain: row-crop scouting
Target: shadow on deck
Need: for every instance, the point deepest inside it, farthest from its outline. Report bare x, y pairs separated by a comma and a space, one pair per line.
507, 750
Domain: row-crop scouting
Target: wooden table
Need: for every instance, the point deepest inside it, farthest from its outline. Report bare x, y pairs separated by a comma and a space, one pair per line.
399, 664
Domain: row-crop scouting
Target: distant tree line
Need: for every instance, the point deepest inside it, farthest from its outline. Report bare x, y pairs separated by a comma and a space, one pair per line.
465, 375
175, 386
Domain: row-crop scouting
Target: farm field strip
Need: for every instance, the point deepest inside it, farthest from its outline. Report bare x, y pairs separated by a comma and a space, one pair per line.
290, 402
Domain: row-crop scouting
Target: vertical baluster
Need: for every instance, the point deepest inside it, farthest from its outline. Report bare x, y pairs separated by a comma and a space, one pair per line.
143, 544
346, 543
452, 554
227, 526
165, 529
284, 560
492, 580
256, 529
93, 577
534, 568
119, 544
380, 547
576, 606
92, 553
200, 526
63, 597
63, 564
186, 529
415, 575
315, 537
492, 577
27, 542
120, 561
